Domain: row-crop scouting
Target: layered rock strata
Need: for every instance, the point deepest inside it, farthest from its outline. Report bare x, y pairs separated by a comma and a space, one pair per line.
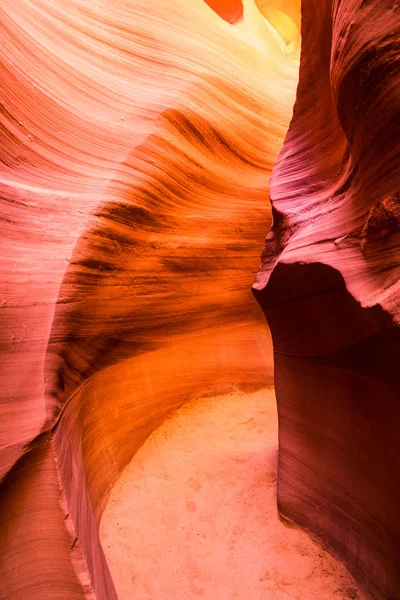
329, 286
137, 144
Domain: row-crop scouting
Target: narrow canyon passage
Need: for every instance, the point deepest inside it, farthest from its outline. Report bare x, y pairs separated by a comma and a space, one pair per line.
147, 150
194, 514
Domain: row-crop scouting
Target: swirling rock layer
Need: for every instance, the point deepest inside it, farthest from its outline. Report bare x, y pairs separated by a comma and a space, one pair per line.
137, 140
329, 286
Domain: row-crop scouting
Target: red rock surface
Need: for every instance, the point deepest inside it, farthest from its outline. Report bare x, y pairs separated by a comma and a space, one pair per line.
329, 286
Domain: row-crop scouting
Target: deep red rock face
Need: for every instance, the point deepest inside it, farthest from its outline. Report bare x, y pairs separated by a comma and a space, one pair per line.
329, 286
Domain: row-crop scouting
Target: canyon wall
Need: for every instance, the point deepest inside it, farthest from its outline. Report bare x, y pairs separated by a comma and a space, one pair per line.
137, 141
329, 286
137, 146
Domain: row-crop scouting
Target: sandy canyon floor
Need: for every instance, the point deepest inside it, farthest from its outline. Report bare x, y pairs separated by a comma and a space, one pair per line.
194, 514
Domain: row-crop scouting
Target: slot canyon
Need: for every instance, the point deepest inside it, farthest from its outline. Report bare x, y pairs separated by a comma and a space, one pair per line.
200, 300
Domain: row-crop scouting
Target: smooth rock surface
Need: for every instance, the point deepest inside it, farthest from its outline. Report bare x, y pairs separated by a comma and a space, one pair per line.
329, 286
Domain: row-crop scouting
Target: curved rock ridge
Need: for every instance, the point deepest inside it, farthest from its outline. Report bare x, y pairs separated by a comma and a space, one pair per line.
329, 286
137, 144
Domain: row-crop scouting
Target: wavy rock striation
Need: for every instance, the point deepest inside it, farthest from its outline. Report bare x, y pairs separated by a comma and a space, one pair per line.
329, 286
137, 144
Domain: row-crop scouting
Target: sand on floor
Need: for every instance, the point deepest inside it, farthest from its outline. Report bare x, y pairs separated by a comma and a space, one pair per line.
194, 514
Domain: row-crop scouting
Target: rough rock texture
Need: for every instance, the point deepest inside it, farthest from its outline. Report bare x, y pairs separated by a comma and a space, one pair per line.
329, 286
137, 140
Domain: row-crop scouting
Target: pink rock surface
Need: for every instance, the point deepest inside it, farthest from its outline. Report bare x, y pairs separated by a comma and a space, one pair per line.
329, 286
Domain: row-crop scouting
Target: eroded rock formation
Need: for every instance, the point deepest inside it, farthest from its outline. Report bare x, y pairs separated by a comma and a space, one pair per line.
137, 145
329, 286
